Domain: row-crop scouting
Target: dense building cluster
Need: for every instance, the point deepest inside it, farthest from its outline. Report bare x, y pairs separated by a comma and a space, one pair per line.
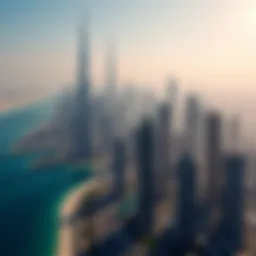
169, 189
185, 191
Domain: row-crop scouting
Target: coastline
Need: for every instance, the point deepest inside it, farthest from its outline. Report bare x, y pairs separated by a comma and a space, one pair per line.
67, 206
62, 245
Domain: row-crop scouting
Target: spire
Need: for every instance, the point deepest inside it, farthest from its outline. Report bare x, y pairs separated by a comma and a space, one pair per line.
111, 70
81, 121
110, 93
83, 68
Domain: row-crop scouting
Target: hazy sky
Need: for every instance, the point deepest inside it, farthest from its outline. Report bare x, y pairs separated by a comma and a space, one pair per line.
209, 44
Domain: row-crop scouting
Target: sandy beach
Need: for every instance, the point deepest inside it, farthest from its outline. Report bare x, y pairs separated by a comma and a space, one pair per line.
68, 207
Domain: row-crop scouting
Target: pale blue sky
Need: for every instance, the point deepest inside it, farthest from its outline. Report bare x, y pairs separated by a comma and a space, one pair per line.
209, 44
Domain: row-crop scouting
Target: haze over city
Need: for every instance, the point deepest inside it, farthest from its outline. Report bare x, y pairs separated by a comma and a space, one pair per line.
208, 45
127, 128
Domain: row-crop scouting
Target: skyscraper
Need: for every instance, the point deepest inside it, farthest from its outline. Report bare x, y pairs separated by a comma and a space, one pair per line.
186, 209
81, 118
162, 142
110, 101
111, 88
215, 176
233, 135
172, 98
192, 122
146, 175
234, 201
174, 126
119, 164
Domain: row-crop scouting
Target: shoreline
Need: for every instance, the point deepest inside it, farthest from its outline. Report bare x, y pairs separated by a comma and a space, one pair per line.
67, 207
64, 232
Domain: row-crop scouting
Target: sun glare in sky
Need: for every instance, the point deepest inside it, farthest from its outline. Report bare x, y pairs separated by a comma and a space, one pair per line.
251, 18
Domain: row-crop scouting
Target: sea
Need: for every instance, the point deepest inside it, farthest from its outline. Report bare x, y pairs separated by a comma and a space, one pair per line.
29, 199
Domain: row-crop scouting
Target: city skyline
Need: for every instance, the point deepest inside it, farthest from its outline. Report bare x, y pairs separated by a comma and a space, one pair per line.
209, 47
139, 127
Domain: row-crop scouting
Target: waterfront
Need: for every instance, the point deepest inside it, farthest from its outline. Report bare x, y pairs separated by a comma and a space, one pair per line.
29, 200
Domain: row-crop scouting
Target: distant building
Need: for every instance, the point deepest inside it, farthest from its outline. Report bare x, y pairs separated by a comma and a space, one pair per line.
172, 98
186, 210
213, 154
106, 131
233, 135
250, 173
234, 202
96, 120
81, 118
119, 164
148, 102
110, 102
172, 93
215, 176
192, 125
146, 175
111, 84
162, 152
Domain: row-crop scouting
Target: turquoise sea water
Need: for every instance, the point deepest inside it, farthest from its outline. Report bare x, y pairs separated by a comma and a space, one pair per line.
29, 200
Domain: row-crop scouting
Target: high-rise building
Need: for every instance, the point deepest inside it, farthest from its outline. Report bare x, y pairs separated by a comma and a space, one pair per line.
172, 98
250, 172
106, 131
213, 154
111, 87
192, 125
96, 126
110, 93
186, 210
215, 176
146, 175
81, 117
162, 142
119, 164
233, 135
234, 201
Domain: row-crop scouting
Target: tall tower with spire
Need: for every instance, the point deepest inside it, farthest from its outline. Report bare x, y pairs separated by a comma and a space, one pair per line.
81, 120
110, 101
